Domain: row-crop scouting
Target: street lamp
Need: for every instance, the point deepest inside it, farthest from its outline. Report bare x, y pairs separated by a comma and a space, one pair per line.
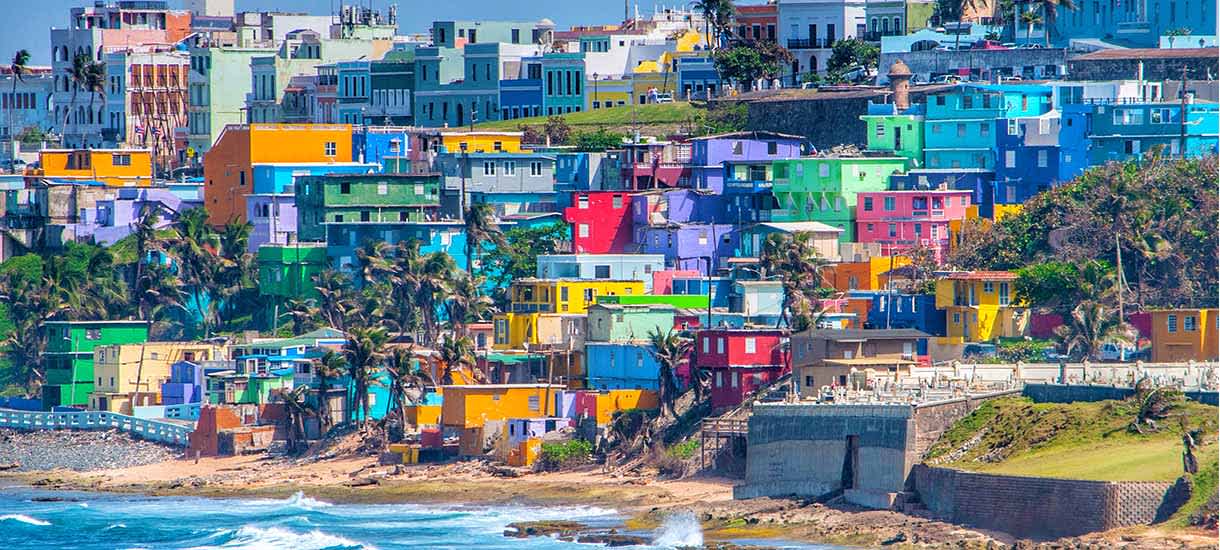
596, 102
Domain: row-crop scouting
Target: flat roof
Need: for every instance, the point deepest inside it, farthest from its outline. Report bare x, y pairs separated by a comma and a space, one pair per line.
800, 227
1148, 53
864, 334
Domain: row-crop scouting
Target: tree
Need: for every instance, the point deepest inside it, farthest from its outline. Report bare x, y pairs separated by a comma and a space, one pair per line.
466, 303
852, 52
19, 66
1050, 14
334, 301
454, 354
670, 350
518, 259
95, 83
556, 130
305, 315
794, 259
407, 383
597, 141
331, 366
1089, 326
1029, 18
481, 230
744, 64
78, 75
717, 16
296, 410
1060, 286
365, 353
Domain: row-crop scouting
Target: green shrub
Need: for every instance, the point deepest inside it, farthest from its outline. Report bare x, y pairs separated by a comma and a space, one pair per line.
684, 450
565, 453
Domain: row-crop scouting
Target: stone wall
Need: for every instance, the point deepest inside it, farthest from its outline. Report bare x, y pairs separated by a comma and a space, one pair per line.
932, 419
1060, 393
1160, 68
800, 450
932, 62
1040, 508
825, 118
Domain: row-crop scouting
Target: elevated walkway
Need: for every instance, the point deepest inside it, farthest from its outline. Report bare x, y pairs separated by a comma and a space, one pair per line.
162, 431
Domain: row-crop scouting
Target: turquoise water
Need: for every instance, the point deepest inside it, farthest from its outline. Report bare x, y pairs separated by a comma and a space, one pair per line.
88, 521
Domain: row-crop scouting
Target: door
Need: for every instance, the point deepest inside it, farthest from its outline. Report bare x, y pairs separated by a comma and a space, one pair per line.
851, 462
897, 138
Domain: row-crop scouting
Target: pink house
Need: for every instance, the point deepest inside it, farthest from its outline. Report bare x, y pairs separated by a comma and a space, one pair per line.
663, 281
902, 220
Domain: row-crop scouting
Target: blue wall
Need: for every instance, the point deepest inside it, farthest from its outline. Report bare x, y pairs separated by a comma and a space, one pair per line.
917, 311
621, 366
274, 178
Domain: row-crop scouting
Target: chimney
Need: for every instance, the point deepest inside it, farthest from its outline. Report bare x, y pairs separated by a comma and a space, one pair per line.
900, 85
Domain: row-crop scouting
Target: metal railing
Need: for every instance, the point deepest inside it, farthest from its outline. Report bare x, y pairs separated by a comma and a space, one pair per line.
153, 430
808, 43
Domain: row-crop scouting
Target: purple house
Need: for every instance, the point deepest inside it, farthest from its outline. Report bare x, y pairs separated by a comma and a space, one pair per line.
273, 217
709, 153
689, 246
187, 381
678, 206
116, 217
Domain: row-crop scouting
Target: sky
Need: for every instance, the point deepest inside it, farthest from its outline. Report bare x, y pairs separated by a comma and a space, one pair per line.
31, 28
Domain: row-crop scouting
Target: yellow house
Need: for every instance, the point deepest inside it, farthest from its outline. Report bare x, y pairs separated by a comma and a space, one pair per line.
482, 142
471, 406
128, 375
612, 401
113, 167
1180, 335
520, 330
863, 275
980, 306
566, 295
606, 93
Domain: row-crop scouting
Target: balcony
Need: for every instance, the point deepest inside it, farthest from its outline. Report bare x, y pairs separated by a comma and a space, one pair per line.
809, 43
752, 186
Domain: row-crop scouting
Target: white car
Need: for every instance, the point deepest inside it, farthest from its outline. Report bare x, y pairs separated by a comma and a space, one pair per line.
1115, 351
665, 98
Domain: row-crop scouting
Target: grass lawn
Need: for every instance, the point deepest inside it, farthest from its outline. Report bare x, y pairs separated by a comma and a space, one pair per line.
617, 119
1015, 436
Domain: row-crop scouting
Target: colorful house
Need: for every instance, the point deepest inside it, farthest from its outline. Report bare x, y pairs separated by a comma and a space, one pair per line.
131, 375
287, 271
630, 267
626, 323
981, 306
228, 168
680, 301
741, 361
187, 381
1180, 335
709, 153
855, 358
864, 275
621, 365
271, 204
824, 189
1123, 131
825, 237
69, 357
895, 134
914, 311
656, 164
366, 198
601, 222
902, 221
471, 406
110, 167
566, 295
694, 246
482, 141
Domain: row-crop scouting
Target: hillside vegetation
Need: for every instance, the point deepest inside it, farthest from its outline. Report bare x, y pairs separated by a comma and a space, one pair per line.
1015, 436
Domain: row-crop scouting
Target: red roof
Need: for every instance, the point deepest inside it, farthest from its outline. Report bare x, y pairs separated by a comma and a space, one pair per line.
1150, 53
983, 276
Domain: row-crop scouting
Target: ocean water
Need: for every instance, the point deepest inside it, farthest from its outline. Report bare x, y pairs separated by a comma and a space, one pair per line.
89, 521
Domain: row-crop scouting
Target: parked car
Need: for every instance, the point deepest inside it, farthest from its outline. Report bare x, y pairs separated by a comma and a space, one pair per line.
665, 98
1013, 78
947, 79
1116, 351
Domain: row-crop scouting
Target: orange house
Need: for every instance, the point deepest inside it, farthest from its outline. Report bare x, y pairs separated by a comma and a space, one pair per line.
1180, 335
228, 168
112, 167
865, 275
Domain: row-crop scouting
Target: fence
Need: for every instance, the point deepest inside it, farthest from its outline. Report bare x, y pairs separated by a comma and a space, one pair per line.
185, 411
152, 430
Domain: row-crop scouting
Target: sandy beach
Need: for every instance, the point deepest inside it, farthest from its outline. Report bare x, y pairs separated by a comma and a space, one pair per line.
642, 499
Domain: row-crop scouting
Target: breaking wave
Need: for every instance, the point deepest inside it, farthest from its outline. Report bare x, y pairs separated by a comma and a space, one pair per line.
24, 519
679, 530
275, 538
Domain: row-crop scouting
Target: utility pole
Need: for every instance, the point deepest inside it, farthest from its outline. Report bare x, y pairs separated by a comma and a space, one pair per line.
1182, 113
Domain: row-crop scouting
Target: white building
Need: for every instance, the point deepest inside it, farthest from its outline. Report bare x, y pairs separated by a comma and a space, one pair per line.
809, 29
29, 106
209, 8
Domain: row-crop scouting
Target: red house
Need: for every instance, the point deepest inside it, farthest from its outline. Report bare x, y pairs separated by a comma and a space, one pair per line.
741, 361
601, 222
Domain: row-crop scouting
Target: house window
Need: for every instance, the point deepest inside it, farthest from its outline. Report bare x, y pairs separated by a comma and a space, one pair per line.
582, 202
751, 344
889, 204
772, 148
489, 168
582, 230
1010, 159
868, 204
1171, 323
1003, 294
984, 129
121, 160
823, 170
329, 148
616, 202
1188, 323
383, 188
719, 379
961, 130
1042, 159
720, 345
345, 188
988, 287
737, 147
957, 318
93, 334
707, 344
1012, 127
880, 130
510, 167
734, 379
893, 230
536, 168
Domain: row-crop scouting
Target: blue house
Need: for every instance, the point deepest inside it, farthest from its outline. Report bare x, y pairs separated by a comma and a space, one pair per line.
343, 238
959, 125
917, 311
697, 76
612, 267
1137, 24
585, 172
721, 288
1124, 131
1038, 153
621, 366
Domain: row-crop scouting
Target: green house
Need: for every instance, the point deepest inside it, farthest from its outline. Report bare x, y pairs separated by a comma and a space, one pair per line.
898, 135
69, 356
364, 198
680, 301
626, 323
823, 189
287, 271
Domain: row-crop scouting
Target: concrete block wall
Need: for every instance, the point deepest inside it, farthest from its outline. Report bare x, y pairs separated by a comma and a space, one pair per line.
1061, 393
1040, 508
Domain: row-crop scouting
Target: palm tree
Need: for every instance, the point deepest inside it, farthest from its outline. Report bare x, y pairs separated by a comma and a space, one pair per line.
194, 249
454, 354
670, 349
365, 353
157, 291
374, 262
481, 229
330, 366
296, 409
1050, 14
717, 15
466, 303
95, 83
407, 384
795, 260
1029, 17
19, 67
304, 313
1091, 325
334, 303
78, 74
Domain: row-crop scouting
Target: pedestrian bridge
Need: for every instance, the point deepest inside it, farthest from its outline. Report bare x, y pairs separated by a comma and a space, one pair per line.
153, 430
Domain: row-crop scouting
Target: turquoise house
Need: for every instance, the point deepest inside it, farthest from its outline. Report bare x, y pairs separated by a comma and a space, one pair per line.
960, 124
628, 322
1124, 131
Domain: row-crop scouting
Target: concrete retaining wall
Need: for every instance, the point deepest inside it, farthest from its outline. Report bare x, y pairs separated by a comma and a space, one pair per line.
1042, 508
1059, 393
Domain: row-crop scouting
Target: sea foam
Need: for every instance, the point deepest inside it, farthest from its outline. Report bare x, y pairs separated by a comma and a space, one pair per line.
251, 537
679, 530
24, 519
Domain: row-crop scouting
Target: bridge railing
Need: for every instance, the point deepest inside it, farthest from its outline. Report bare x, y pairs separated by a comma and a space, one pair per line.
152, 430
